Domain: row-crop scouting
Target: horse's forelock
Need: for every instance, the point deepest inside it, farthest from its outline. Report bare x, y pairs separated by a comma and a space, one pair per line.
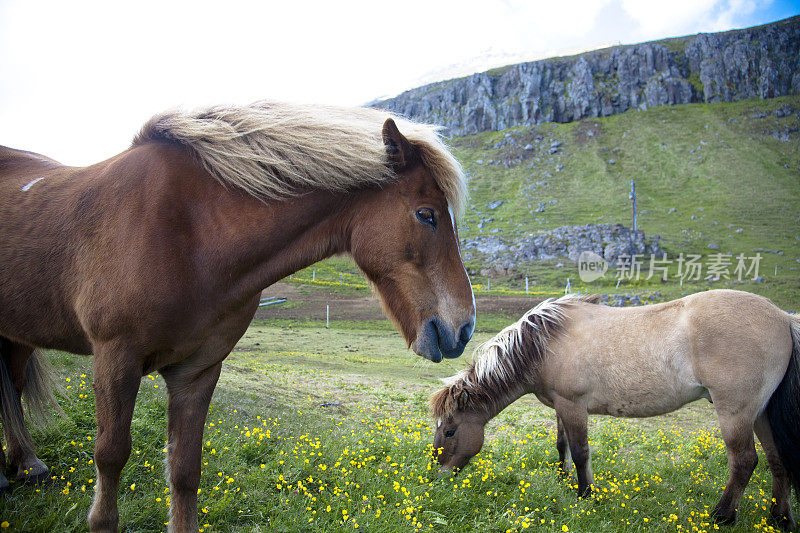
441, 403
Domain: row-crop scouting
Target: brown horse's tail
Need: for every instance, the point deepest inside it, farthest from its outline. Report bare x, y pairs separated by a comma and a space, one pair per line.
38, 394
783, 411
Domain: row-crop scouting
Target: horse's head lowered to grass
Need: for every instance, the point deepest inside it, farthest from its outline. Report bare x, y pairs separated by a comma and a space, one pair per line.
459, 431
503, 369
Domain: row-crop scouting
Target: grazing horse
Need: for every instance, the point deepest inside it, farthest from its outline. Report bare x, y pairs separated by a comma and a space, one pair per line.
734, 348
154, 260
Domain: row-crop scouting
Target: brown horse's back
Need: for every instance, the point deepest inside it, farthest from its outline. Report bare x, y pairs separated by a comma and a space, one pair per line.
12, 159
74, 240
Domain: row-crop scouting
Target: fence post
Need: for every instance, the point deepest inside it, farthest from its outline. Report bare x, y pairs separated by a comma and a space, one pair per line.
313, 275
526, 284
327, 316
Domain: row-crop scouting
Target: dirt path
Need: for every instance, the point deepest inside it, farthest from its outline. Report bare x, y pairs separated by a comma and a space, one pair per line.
310, 304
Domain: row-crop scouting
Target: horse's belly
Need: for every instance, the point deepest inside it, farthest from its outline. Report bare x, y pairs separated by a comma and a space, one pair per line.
37, 320
644, 400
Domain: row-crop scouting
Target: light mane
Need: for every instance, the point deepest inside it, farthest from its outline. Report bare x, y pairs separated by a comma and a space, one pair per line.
277, 150
508, 360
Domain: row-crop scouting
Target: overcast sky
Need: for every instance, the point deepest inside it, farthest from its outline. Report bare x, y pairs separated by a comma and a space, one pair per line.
77, 78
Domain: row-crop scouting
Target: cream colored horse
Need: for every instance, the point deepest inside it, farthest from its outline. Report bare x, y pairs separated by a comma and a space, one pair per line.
734, 348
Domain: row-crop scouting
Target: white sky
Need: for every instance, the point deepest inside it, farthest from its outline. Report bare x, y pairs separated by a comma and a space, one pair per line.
78, 78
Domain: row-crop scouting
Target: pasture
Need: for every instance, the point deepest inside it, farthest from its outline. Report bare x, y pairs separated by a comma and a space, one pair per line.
315, 429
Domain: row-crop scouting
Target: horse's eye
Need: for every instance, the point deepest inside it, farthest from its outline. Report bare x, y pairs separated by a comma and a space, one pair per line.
450, 433
427, 216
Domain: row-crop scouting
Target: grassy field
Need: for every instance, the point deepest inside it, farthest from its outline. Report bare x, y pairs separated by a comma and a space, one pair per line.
315, 429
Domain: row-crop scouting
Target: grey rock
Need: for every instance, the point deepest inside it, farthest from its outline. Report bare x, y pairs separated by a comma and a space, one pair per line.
495, 204
713, 246
609, 241
754, 62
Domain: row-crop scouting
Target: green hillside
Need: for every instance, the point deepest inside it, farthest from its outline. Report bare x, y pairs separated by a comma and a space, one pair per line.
726, 174
702, 172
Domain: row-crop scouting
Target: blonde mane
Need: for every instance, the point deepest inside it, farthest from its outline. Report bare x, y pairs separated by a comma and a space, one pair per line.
508, 360
277, 150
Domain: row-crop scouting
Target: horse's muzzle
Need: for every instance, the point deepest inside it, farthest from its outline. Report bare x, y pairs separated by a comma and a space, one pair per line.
438, 340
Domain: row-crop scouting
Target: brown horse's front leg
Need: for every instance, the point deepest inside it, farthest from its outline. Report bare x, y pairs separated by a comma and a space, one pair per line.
116, 382
190, 393
575, 419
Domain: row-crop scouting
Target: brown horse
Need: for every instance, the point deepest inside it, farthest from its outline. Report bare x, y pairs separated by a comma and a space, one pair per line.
154, 259
733, 348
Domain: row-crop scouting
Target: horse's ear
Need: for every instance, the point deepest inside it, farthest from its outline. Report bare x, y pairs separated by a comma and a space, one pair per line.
462, 399
399, 150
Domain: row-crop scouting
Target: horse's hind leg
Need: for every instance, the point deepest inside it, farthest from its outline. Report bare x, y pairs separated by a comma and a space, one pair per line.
22, 459
781, 510
575, 420
737, 432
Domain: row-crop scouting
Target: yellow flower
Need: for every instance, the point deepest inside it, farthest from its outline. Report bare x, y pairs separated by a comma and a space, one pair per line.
4, 524
564, 528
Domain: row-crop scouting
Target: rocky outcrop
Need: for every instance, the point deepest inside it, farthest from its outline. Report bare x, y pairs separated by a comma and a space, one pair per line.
763, 61
609, 241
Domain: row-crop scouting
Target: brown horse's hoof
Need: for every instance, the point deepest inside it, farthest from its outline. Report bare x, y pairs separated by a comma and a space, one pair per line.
782, 521
722, 518
35, 474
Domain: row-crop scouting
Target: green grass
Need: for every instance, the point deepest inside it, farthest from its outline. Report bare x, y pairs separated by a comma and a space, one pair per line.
276, 460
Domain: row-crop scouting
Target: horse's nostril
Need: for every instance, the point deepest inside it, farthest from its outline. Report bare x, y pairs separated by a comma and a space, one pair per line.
466, 331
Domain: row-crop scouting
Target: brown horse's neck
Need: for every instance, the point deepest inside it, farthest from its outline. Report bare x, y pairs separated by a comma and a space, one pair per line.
275, 239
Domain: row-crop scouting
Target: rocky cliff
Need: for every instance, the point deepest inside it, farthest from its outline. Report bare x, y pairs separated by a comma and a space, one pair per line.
762, 61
